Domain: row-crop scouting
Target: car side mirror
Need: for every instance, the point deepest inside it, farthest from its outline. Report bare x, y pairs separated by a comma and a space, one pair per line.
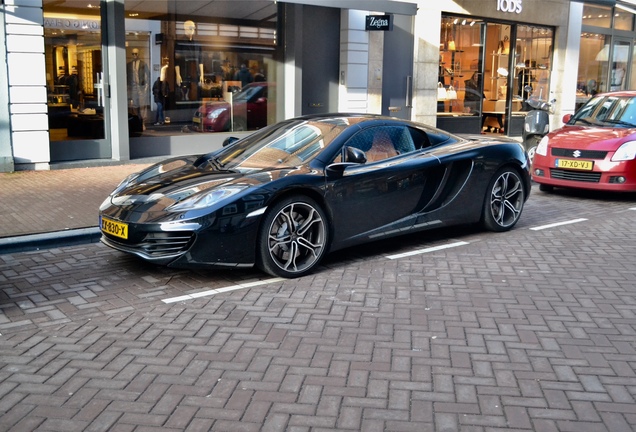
355, 155
229, 140
566, 118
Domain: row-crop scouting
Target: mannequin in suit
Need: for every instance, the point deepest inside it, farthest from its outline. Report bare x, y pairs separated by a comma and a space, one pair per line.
188, 69
138, 76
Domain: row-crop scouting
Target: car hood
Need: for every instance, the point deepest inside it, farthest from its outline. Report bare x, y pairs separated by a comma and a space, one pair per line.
212, 105
167, 183
592, 138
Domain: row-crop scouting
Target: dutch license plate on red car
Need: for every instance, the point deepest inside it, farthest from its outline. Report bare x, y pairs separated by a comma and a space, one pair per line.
196, 119
574, 164
118, 229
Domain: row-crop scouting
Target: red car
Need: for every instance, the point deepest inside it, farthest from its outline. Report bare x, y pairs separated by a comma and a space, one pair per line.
248, 111
595, 149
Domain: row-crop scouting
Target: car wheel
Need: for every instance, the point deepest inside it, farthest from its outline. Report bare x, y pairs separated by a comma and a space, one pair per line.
504, 201
546, 188
293, 237
531, 147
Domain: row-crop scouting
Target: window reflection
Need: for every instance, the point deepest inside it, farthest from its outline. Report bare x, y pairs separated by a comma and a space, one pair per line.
213, 64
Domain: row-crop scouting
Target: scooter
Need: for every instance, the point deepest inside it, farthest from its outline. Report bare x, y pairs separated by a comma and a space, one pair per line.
536, 124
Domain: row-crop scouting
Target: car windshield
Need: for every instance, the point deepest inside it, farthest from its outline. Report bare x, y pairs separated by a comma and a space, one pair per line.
608, 111
283, 145
247, 93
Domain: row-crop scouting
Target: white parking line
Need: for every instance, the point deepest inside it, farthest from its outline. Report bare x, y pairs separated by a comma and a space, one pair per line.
221, 290
427, 250
542, 227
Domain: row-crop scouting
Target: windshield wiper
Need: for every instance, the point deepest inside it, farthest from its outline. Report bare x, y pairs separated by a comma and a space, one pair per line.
620, 122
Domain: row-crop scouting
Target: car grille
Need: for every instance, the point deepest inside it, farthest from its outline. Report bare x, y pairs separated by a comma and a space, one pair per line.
159, 244
165, 243
589, 177
584, 154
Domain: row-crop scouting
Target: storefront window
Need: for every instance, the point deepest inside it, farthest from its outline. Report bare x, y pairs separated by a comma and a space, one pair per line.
214, 72
606, 57
623, 20
488, 70
532, 62
460, 89
73, 66
597, 16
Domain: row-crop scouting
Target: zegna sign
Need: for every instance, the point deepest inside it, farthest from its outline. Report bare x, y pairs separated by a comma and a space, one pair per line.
513, 6
379, 22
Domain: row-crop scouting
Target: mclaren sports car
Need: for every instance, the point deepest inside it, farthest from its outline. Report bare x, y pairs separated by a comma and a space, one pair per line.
288, 194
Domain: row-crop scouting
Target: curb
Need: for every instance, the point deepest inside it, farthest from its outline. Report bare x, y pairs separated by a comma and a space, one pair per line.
49, 240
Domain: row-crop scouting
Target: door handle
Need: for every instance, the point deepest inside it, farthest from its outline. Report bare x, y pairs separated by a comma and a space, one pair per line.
409, 91
99, 86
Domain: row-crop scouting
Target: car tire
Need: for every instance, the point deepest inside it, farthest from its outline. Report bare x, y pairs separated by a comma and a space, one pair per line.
504, 200
546, 188
293, 237
531, 147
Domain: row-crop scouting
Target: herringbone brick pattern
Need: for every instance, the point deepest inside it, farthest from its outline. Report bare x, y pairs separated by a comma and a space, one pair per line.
524, 331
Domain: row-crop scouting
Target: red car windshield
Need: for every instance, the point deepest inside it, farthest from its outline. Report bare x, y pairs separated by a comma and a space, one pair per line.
607, 110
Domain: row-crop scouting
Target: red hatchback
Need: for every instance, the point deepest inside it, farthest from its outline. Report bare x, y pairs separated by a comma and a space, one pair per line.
248, 111
595, 149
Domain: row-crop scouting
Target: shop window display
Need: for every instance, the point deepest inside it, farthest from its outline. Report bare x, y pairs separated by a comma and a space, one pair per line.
73, 64
489, 70
210, 62
460, 74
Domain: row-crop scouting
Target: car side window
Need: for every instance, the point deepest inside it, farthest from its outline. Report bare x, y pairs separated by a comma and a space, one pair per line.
382, 142
420, 138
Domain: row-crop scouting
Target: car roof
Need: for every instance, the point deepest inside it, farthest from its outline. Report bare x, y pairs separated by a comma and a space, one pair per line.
357, 116
622, 93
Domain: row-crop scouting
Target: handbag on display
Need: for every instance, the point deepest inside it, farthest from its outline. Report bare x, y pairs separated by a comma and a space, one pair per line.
504, 46
441, 92
451, 93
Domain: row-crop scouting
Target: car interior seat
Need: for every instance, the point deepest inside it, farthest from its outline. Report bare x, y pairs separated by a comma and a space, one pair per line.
382, 147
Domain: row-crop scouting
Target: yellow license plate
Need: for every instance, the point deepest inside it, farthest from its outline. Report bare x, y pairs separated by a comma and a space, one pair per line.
196, 119
575, 164
118, 229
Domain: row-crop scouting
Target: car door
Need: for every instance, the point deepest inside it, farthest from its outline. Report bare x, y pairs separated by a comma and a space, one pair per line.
376, 198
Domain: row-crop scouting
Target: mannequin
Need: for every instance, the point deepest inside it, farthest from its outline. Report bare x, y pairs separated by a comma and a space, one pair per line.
188, 69
138, 76
160, 92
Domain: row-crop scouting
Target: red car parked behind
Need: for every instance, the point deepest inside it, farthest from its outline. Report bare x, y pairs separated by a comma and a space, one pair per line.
248, 111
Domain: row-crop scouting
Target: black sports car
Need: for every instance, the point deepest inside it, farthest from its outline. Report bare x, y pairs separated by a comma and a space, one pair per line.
284, 196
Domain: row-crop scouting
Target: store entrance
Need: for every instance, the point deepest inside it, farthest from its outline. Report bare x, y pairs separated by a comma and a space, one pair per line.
74, 77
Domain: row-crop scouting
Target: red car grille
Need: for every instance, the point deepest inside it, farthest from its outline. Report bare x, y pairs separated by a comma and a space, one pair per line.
582, 154
589, 177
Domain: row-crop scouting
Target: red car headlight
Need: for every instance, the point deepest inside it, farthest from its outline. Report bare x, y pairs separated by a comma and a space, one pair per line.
625, 152
542, 148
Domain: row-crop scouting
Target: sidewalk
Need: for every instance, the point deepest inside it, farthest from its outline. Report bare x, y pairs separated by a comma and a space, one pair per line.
41, 205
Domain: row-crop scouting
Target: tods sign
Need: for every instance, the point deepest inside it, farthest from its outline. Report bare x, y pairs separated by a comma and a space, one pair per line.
509, 6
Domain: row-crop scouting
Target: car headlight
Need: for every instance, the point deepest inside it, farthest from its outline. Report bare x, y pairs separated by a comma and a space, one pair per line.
215, 113
542, 148
125, 182
625, 152
206, 198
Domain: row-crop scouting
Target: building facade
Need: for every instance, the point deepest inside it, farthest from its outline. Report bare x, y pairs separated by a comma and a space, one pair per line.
120, 80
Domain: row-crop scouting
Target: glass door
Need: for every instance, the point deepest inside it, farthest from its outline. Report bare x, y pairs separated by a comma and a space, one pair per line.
621, 57
74, 77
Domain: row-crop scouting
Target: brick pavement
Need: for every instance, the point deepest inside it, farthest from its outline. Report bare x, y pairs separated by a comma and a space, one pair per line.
523, 331
34, 202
